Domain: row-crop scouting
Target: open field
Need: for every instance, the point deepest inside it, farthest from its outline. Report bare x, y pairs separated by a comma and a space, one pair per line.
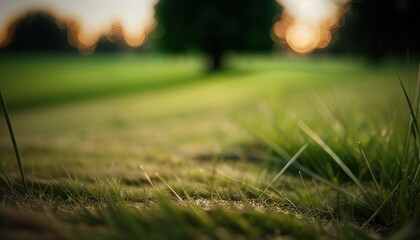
151, 147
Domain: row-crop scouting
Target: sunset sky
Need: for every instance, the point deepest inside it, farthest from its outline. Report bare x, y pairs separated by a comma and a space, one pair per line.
94, 18
305, 24
309, 24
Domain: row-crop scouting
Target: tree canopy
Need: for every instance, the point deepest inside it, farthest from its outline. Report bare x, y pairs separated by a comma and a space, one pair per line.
37, 31
375, 29
380, 28
214, 27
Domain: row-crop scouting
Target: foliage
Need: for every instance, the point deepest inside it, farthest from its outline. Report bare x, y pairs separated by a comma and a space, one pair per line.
37, 31
216, 26
379, 29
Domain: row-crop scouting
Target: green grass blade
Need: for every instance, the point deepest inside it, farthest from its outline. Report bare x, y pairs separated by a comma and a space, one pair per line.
289, 163
417, 100
309, 195
370, 169
382, 205
416, 174
170, 188
147, 177
330, 152
12, 136
412, 111
416, 97
281, 152
325, 181
324, 202
408, 141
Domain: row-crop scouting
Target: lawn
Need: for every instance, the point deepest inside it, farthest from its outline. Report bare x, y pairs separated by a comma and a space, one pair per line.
152, 147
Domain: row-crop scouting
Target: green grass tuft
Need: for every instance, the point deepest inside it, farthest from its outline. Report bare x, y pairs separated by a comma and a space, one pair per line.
386, 179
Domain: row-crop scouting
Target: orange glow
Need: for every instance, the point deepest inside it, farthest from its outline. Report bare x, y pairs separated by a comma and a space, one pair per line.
4, 37
325, 38
302, 38
86, 21
309, 24
6, 31
135, 40
136, 35
87, 39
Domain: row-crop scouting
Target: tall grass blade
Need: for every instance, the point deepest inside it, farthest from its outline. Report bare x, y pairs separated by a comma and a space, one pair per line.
309, 195
12, 136
330, 152
147, 177
170, 188
293, 205
291, 161
324, 202
325, 181
408, 140
378, 210
417, 94
306, 170
417, 100
370, 169
412, 111
416, 175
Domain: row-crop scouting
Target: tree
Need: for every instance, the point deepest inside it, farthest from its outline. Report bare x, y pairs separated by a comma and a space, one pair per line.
214, 27
380, 28
38, 32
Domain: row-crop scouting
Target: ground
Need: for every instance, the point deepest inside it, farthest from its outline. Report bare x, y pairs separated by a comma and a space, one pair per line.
140, 146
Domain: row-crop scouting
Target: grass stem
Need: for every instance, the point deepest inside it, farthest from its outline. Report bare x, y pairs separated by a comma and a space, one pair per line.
12, 136
289, 163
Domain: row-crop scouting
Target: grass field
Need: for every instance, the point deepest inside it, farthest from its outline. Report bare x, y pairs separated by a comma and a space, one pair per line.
152, 147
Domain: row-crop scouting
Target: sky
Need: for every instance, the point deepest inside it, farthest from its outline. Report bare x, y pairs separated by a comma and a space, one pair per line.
305, 24
87, 20
310, 24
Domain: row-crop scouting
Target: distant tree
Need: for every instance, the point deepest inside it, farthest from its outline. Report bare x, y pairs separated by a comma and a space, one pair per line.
38, 32
380, 28
214, 27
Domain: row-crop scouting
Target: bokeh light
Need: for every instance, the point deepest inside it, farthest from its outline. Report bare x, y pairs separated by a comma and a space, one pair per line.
301, 38
87, 21
306, 25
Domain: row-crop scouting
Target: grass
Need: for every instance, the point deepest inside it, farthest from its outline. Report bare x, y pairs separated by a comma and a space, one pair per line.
150, 147
387, 180
12, 138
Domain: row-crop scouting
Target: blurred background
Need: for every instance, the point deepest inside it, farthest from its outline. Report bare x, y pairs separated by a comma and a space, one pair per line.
372, 29
54, 52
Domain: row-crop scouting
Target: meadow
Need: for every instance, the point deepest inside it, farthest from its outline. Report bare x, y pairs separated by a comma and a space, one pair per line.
153, 147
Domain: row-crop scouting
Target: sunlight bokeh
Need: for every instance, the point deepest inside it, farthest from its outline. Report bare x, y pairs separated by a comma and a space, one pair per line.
86, 20
309, 24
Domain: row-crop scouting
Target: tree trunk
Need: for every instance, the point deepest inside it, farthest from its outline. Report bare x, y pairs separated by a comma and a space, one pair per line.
216, 62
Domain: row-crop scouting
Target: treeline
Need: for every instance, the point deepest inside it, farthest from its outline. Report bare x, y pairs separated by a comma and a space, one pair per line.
372, 28
380, 28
